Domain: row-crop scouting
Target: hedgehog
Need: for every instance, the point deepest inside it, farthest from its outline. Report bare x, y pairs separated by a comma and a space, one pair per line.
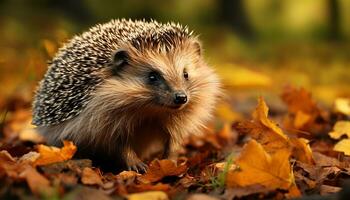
127, 91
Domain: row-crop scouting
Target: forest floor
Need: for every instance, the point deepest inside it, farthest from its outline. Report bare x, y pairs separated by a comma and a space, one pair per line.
297, 151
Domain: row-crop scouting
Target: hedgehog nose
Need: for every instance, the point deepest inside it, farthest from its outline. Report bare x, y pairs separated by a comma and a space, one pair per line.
180, 98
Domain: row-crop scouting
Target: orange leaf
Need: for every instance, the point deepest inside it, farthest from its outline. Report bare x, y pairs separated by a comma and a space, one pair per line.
256, 166
302, 150
49, 155
91, 177
159, 169
264, 130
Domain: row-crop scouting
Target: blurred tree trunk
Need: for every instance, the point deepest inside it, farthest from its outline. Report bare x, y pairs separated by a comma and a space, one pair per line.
334, 20
232, 13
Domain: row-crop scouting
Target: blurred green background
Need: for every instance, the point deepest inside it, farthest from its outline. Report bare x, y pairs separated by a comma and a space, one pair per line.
257, 46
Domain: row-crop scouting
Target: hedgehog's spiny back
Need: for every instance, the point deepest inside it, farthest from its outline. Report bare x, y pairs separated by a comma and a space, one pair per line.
74, 73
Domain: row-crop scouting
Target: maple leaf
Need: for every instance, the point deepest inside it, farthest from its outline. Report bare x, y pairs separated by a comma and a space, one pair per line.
263, 129
158, 169
256, 166
49, 155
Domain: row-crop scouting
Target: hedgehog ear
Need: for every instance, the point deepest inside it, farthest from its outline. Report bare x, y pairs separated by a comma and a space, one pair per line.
120, 58
198, 47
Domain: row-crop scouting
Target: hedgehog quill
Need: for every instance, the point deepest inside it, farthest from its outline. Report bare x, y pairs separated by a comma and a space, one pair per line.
125, 91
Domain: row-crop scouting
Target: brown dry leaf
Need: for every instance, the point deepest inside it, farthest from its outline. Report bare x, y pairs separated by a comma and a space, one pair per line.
340, 128
327, 189
148, 195
8, 165
303, 112
343, 146
263, 129
91, 177
125, 175
342, 105
159, 169
302, 150
256, 166
49, 155
37, 183
299, 100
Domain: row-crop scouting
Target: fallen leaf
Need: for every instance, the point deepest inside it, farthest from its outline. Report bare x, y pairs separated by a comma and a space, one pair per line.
342, 105
325, 161
299, 100
256, 166
49, 155
37, 183
302, 150
8, 164
303, 112
158, 195
301, 119
158, 169
125, 175
340, 128
343, 146
91, 177
262, 129
327, 189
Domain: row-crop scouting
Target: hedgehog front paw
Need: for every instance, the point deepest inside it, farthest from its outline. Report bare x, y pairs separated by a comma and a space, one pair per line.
139, 167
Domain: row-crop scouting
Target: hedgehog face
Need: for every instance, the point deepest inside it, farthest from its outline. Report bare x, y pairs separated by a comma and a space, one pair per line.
166, 80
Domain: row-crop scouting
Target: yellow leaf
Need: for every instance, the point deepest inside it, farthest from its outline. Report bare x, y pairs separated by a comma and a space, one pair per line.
340, 128
262, 129
49, 155
154, 195
256, 166
260, 114
343, 146
342, 105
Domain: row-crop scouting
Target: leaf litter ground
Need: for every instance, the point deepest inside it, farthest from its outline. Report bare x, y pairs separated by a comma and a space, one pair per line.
306, 153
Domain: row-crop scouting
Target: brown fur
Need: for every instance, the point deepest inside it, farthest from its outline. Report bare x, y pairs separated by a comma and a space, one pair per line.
122, 124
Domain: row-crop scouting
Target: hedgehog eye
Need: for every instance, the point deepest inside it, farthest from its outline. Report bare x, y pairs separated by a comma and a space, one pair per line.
153, 77
185, 75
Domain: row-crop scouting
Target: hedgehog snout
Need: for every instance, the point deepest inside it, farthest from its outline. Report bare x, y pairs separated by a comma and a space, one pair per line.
180, 97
